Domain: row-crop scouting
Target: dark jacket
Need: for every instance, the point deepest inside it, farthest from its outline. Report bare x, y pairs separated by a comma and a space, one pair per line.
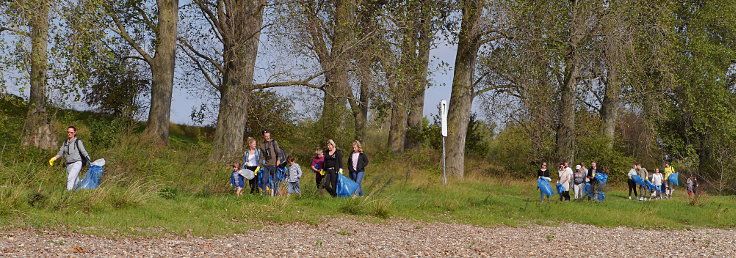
272, 147
334, 160
362, 162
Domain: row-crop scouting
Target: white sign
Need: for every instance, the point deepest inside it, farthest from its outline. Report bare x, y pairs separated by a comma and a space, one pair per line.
443, 115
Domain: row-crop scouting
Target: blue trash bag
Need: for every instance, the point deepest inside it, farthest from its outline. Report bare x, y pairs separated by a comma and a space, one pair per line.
600, 196
560, 189
260, 180
588, 190
280, 174
637, 179
663, 188
92, 179
544, 187
674, 178
601, 177
345, 186
651, 186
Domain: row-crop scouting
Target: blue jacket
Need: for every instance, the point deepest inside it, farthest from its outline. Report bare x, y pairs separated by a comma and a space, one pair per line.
257, 154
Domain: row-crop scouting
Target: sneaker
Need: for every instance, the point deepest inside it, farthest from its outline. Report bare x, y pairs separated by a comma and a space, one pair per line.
629, 197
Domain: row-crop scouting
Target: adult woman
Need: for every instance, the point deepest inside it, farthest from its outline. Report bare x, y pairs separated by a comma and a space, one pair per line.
543, 173
357, 161
578, 181
565, 175
250, 161
333, 165
74, 152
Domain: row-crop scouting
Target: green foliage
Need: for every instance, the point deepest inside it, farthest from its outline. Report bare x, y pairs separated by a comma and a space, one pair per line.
479, 136
106, 133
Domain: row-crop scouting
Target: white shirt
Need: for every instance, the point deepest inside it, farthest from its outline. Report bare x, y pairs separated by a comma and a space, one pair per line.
251, 159
657, 179
632, 172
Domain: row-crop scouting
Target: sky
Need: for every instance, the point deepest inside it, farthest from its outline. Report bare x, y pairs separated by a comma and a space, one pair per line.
184, 100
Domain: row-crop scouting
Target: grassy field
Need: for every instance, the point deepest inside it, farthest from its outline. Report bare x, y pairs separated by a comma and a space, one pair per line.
151, 191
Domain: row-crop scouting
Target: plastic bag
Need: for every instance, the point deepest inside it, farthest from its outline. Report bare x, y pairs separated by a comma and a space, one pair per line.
280, 174
345, 186
99, 162
588, 190
601, 177
674, 178
651, 186
600, 196
637, 179
663, 188
247, 173
544, 187
92, 179
560, 189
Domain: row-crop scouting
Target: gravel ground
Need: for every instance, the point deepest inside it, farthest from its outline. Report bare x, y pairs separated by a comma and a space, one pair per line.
397, 237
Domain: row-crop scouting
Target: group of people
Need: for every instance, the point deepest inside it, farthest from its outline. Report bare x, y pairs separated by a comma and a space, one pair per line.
266, 161
663, 185
655, 185
573, 180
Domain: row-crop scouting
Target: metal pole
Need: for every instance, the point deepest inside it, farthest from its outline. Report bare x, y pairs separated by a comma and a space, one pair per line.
444, 170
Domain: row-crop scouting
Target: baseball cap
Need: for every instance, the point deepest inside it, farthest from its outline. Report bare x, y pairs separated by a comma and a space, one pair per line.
578, 167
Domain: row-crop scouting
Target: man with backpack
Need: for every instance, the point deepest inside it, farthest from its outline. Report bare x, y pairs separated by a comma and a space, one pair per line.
76, 157
270, 159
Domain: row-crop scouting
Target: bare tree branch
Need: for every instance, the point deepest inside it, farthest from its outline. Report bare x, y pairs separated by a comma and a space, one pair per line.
201, 68
203, 56
146, 19
304, 82
122, 32
18, 32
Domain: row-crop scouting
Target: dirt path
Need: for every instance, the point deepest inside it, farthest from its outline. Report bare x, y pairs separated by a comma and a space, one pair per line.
395, 238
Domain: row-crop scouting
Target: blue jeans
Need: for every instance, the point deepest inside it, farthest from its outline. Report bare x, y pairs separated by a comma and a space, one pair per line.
358, 178
269, 179
294, 187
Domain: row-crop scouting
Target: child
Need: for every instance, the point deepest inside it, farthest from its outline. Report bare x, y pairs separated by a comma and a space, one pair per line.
318, 163
295, 175
236, 179
692, 187
657, 180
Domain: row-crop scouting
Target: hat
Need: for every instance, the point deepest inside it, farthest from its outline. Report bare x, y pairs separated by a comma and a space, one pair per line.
578, 167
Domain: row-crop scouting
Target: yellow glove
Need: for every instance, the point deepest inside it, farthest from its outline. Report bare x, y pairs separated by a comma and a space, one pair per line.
51, 161
340, 171
256, 172
322, 172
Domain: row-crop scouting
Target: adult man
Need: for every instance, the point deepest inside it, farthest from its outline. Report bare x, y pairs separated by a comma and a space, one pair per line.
594, 169
269, 159
668, 170
74, 152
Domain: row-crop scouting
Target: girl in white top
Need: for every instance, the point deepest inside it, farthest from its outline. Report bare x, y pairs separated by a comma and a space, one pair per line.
657, 180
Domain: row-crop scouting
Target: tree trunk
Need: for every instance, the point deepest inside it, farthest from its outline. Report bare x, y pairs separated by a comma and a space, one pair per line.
37, 128
397, 132
461, 100
240, 51
416, 110
337, 66
565, 147
361, 116
610, 105
162, 71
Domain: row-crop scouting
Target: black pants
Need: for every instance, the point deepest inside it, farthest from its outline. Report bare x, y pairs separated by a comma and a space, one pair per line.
253, 182
318, 180
565, 195
632, 187
330, 182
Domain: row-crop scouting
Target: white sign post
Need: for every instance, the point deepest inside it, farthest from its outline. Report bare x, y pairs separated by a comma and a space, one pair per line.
443, 116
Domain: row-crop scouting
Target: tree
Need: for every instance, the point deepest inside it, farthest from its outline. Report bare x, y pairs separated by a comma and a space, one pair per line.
37, 128
461, 99
131, 15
